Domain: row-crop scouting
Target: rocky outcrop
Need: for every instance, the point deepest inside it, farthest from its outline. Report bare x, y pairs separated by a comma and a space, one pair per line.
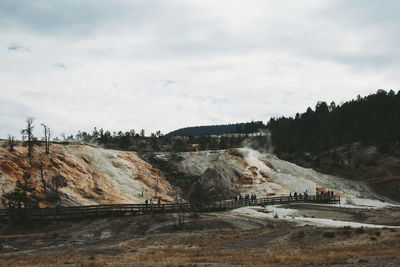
211, 186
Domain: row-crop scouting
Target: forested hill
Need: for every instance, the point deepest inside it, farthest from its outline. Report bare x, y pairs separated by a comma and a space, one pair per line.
247, 127
373, 120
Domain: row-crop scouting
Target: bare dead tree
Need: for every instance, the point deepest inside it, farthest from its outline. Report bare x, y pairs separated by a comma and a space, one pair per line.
11, 142
180, 209
28, 133
57, 181
47, 135
44, 184
156, 187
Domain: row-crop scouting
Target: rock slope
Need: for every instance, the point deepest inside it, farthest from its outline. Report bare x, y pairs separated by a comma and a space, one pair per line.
249, 172
93, 175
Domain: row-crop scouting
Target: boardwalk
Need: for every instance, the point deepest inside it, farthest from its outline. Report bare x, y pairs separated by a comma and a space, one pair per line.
137, 209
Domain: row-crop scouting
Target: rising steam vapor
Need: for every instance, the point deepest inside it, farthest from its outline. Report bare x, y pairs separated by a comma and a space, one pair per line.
261, 141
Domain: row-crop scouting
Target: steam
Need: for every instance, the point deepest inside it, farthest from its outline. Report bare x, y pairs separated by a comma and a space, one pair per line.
260, 141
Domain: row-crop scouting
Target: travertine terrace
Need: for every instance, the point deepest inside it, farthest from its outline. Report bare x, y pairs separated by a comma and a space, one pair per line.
94, 175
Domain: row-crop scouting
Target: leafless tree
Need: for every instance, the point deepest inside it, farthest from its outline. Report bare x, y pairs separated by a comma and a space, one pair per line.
44, 184
47, 135
11, 142
156, 187
26, 187
180, 209
57, 181
28, 133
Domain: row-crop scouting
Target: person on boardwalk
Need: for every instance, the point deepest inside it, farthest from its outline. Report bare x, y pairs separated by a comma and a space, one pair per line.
57, 207
159, 201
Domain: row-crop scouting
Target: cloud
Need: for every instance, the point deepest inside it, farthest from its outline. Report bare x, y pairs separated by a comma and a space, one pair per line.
60, 65
16, 47
161, 65
168, 82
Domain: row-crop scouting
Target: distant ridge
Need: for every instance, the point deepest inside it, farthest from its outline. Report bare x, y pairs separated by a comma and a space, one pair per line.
244, 127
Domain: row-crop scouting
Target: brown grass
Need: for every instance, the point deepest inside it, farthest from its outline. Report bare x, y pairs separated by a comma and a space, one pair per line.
211, 246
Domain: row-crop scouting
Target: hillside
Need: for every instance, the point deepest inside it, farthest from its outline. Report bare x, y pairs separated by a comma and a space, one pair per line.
93, 175
359, 163
100, 176
220, 174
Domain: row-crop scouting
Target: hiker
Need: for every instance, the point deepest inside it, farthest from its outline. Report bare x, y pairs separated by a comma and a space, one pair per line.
151, 202
159, 201
146, 202
57, 207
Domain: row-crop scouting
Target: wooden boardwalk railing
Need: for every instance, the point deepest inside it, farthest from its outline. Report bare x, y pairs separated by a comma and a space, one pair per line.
136, 209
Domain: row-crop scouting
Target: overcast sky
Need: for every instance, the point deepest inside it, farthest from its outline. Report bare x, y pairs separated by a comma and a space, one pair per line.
163, 65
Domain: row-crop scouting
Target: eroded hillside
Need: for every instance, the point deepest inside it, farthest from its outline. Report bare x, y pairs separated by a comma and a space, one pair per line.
93, 175
248, 172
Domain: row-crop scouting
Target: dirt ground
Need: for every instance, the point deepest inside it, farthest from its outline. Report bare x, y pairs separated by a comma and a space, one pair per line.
207, 239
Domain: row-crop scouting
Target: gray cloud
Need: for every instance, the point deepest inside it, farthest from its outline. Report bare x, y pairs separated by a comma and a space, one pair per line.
17, 47
60, 65
169, 64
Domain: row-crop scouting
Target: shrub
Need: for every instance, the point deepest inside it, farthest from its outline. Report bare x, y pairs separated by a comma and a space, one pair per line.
329, 234
360, 230
349, 201
301, 234
347, 233
271, 225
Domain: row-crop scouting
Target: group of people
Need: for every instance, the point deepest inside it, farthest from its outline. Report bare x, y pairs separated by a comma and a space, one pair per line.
317, 194
147, 202
246, 197
299, 196
323, 193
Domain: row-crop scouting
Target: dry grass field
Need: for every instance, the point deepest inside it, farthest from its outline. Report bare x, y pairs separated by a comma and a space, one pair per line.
206, 239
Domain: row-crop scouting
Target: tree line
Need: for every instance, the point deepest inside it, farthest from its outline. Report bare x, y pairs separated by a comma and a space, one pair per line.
243, 128
372, 120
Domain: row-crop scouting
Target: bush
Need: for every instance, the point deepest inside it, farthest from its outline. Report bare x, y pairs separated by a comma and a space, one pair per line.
347, 233
194, 215
271, 225
360, 230
349, 201
329, 234
301, 234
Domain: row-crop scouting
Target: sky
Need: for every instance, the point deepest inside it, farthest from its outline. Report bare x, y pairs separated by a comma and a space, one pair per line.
167, 64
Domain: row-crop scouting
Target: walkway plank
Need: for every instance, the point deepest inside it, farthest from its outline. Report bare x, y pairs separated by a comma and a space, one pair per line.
77, 212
